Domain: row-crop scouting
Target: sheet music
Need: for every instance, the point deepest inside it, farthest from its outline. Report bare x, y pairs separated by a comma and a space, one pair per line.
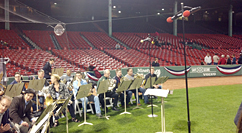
157, 92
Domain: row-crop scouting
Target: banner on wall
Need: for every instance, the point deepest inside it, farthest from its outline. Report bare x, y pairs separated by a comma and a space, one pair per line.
229, 70
177, 72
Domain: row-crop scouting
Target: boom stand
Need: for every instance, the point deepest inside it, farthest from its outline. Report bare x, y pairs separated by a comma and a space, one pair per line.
83, 92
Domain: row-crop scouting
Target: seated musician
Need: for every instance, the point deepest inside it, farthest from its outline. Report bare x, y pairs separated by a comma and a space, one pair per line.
40, 94
117, 78
68, 78
109, 93
20, 111
17, 80
5, 102
130, 76
57, 90
151, 74
76, 84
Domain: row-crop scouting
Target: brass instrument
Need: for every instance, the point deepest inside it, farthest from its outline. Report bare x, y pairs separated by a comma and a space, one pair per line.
111, 84
140, 76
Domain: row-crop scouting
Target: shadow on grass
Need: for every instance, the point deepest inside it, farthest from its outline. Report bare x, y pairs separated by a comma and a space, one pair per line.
101, 127
181, 125
125, 120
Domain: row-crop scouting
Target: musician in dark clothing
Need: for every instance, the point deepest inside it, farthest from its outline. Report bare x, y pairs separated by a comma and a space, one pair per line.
155, 63
47, 68
228, 60
240, 59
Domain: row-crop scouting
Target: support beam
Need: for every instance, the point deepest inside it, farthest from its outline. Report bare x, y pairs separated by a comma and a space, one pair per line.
6, 14
110, 18
230, 28
175, 21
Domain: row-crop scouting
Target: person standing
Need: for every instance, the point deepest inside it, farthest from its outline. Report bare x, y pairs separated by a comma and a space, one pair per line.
155, 63
215, 59
233, 60
47, 68
208, 59
240, 59
222, 61
228, 60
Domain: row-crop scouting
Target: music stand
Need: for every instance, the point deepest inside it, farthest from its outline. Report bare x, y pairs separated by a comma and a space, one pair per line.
161, 80
44, 119
135, 85
62, 108
149, 85
37, 85
14, 90
103, 88
83, 92
58, 71
162, 94
123, 87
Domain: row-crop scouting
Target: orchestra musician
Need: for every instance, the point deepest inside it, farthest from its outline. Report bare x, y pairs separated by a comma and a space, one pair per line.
47, 68
5, 102
57, 90
68, 78
109, 93
17, 80
130, 76
20, 111
151, 74
76, 84
117, 78
40, 94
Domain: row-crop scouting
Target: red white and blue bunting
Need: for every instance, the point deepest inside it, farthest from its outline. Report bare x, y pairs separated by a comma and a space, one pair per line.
177, 72
92, 76
230, 70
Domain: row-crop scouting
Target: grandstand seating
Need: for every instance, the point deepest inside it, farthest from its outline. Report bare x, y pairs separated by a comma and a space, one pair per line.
41, 38
12, 39
30, 61
85, 58
77, 56
100, 39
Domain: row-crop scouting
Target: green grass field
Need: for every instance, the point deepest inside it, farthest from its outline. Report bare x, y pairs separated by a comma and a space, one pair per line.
212, 110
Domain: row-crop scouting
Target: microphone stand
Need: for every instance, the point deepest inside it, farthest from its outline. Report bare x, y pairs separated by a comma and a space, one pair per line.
187, 98
152, 112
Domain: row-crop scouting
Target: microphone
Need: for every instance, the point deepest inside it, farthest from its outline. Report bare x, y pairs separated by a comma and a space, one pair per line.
146, 39
185, 13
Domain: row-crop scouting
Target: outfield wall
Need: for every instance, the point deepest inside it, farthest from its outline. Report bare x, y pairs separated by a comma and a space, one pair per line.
179, 71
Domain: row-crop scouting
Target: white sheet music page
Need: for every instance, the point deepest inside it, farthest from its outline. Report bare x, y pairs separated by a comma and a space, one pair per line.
157, 92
